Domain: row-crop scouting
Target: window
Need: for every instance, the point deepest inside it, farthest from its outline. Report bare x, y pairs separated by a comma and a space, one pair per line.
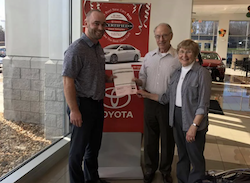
34, 115
239, 36
205, 30
131, 48
238, 28
112, 47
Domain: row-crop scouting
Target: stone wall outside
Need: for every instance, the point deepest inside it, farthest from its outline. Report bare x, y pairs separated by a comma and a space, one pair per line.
33, 93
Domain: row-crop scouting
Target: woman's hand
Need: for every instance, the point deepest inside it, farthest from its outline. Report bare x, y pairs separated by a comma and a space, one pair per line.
142, 93
110, 79
191, 133
145, 94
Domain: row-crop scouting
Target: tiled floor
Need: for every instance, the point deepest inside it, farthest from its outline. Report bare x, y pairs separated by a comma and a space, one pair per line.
228, 138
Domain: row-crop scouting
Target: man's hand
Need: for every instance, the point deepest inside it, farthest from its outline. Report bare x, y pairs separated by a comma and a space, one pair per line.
191, 133
76, 118
137, 81
70, 95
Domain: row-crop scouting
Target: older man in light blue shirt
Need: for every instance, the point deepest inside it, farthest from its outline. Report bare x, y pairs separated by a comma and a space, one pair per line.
154, 77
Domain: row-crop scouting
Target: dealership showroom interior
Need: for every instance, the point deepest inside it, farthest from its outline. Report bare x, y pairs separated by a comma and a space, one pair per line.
34, 125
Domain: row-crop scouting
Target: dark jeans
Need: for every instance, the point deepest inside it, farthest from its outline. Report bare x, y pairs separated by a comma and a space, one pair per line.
86, 141
189, 153
156, 117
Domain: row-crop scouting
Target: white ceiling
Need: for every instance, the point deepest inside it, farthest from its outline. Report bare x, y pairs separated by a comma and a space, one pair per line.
210, 7
219, 9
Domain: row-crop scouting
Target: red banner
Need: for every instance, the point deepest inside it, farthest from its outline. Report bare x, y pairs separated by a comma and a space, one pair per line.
125, 40
126, 23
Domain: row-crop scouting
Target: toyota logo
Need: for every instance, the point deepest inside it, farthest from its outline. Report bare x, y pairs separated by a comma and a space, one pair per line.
116, 102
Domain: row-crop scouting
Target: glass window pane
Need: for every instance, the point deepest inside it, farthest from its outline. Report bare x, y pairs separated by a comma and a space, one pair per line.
199, 45
236, 43
206, 37
25, 129
216, 24
194, 37
194, 30
206, 27
215, 43
207, 46
248, 34
248, 43
238, 28
202, 27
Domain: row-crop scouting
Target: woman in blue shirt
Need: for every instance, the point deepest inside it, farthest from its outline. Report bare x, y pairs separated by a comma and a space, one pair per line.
189, 97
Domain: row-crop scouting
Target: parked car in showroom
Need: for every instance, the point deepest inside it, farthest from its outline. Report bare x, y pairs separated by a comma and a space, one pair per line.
213, 62
121, 52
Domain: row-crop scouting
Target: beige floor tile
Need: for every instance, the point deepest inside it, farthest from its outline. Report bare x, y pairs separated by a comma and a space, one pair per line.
229, 166
222, 132
240, 131
223, 118
242, 137
231, 154
54, 174
246, 154
64, 178
212, 152
226, 141
214, 165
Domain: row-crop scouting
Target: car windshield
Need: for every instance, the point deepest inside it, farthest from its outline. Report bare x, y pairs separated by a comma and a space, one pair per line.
112, 47
210, 56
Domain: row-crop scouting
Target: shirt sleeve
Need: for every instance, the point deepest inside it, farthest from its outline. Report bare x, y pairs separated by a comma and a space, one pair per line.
205, 82
72, 65
143, 72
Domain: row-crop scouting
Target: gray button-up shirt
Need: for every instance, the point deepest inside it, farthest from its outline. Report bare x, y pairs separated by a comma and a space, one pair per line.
156, 70
84, 61
196, 89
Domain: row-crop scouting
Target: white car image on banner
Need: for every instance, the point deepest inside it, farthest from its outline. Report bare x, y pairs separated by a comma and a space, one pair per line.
121, 52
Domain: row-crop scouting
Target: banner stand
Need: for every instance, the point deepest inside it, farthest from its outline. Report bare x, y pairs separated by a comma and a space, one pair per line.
124, 43
120, 156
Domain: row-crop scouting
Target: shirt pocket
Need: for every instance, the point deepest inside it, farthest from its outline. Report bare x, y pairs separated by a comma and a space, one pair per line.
192, 91
171, 87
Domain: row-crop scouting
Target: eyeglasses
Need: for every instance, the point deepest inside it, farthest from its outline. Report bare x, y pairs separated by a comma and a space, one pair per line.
182, 52
164, 36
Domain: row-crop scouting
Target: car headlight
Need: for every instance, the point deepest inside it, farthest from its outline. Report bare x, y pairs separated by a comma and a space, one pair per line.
106, 53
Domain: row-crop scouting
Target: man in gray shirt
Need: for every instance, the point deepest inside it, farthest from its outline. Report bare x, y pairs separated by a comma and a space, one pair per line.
84, 88
154, 77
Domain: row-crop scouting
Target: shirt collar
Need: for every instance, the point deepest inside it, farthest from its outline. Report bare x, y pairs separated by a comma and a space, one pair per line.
171, 51
88, 41
188, 67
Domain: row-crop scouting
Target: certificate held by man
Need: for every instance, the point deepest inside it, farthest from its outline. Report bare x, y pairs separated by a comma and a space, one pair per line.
123, 81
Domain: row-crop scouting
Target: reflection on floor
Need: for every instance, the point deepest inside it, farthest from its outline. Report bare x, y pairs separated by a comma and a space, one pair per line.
228, 138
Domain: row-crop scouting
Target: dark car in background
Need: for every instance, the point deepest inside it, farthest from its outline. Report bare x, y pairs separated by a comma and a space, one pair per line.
213, 62
2, 55
2, 51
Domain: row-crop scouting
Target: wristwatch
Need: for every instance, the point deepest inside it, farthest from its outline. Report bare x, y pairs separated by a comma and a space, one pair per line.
194, 124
